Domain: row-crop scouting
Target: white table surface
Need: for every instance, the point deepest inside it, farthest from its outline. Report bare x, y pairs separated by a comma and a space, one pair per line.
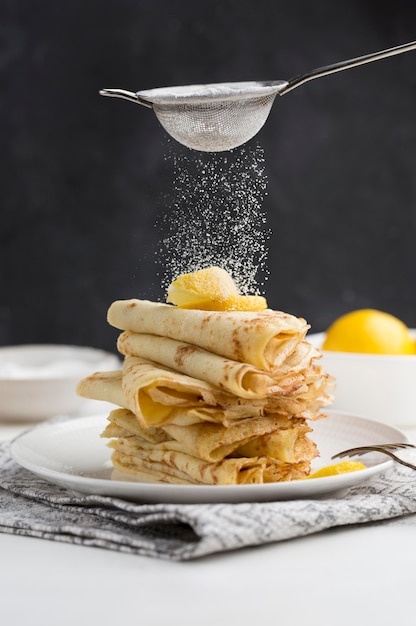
348, 576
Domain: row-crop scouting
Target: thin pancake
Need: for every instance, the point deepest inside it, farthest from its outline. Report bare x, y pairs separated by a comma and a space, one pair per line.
241, 379
154, 406
105, 386
263, 339
280, 440
277, 437
153, 393
167, 462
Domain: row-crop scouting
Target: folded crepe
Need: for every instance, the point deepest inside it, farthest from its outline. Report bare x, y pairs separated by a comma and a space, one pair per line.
241, 379
105, 386
309, 399
200, 457
278, 437
171, 465
263, 338
157, 396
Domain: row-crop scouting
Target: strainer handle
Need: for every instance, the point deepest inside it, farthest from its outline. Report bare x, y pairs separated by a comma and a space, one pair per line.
345, 65
125, 95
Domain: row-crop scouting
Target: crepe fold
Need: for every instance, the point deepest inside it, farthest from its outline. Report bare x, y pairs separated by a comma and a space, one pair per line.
263, 339
202, 455
158, 396
241, 379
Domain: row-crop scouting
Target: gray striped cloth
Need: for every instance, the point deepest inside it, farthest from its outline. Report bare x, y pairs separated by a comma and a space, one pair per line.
32, 507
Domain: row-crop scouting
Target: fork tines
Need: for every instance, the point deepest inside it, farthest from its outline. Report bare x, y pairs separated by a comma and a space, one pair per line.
383, 448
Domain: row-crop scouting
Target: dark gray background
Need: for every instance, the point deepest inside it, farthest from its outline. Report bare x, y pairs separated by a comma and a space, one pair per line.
82, 176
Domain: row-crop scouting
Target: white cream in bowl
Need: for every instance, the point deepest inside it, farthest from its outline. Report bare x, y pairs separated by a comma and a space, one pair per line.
39, 381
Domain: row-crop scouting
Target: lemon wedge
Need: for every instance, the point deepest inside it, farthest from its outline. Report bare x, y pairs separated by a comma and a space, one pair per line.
211, 289
369, 331
338, 468
234, 303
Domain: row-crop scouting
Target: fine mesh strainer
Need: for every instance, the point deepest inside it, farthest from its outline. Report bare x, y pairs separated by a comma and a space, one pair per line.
222, 116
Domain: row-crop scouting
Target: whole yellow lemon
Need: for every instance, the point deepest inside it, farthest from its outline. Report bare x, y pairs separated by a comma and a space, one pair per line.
369, 331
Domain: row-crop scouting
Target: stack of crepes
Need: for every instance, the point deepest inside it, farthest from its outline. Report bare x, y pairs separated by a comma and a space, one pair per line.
211, 397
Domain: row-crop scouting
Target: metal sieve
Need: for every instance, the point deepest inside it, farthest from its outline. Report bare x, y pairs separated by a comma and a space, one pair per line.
222, 116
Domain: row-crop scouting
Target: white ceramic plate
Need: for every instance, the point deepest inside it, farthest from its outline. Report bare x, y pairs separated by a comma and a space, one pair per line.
72, 454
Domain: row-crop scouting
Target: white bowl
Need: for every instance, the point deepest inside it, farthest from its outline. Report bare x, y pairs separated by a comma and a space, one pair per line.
382, 387
38, 381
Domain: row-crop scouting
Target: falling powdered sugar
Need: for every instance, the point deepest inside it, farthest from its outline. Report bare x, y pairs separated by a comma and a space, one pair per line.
215, 217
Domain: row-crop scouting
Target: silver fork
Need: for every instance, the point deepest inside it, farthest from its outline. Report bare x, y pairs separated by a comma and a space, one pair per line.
384, 448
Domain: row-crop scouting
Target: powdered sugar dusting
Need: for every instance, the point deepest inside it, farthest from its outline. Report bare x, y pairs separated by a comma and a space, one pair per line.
215, 217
